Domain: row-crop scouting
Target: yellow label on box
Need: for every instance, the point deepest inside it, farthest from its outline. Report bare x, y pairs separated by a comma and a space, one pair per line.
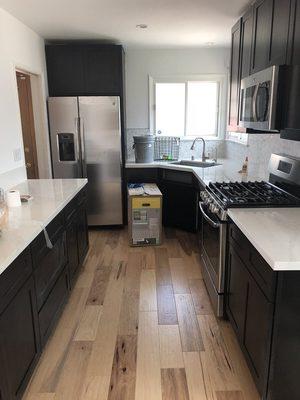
146, 202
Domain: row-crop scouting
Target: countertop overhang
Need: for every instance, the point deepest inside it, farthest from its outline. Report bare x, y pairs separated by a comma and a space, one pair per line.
274, 232
26, 222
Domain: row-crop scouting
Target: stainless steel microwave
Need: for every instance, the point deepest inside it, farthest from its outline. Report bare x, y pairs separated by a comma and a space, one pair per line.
258, 100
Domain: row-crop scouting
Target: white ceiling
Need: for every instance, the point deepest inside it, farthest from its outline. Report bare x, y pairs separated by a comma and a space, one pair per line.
171, 23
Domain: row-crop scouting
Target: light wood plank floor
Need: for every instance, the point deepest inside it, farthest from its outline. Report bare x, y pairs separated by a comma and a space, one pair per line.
139, 326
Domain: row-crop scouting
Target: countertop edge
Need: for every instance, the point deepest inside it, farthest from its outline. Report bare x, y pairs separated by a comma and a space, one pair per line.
39, 228
275, 265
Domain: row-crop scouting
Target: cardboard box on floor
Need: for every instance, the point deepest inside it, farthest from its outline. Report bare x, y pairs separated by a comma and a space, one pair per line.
144, 214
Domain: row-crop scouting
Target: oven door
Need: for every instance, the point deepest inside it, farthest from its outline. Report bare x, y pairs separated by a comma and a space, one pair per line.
213, 246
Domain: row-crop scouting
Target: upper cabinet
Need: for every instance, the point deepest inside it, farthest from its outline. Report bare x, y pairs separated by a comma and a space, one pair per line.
246, 43
279, 32
84, 69
262, 11
270, 33
234, 89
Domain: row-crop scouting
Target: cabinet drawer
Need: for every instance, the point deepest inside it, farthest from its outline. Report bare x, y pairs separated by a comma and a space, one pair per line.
48, 265
53, 305
70, 210
178, 176
53, 229
14, 276
263, 274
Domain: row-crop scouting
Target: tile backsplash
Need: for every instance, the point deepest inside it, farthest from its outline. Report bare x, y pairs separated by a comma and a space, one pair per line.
259, 149
214, 148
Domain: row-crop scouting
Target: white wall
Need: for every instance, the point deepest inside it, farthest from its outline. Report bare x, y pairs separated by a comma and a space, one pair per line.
140, 63
21, 48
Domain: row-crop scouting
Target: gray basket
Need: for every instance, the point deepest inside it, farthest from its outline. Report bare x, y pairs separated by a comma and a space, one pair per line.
166, 148
144, 148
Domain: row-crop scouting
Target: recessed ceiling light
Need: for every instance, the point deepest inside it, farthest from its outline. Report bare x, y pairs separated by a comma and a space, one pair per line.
209, 44
142, 26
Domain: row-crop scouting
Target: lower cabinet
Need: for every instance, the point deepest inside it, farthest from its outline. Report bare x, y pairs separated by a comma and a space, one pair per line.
33, 291
19, 340
82, 234
250, 304
180, 206
180, 194
50, 311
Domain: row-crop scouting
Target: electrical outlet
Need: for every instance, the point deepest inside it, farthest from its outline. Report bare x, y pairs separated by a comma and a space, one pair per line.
17, 154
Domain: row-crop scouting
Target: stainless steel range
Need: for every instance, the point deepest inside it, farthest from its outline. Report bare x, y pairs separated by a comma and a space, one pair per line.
282, 190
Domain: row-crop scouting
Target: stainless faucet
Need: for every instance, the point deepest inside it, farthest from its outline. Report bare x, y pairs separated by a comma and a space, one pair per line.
203, 147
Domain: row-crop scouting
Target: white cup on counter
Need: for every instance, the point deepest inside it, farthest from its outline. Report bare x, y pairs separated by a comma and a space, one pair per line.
13, 198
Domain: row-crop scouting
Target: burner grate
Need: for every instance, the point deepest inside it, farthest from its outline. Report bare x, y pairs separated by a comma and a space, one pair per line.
238, 194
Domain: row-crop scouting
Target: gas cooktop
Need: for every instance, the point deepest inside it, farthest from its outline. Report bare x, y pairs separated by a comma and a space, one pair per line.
251, 194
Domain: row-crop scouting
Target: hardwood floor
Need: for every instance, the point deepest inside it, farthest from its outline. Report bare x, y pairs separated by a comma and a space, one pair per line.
139, 326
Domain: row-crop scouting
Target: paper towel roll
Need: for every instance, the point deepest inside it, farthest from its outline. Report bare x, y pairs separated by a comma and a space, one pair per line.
13, 198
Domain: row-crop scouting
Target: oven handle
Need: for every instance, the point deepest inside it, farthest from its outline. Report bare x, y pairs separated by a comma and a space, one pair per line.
206, 217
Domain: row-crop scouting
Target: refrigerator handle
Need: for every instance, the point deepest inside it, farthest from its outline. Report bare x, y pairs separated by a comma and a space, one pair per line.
82, 147
77, 139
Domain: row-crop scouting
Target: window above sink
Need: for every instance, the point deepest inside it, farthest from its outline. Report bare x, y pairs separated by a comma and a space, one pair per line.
188, 106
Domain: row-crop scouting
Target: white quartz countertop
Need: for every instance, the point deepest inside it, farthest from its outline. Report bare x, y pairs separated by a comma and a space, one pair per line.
24, 224
274, 232
218, 173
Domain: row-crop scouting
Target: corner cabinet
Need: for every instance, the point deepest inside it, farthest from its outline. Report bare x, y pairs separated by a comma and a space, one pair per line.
33, 291
180, 194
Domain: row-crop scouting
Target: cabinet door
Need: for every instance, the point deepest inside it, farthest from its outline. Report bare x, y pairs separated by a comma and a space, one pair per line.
294, 37
103, 70
237, 288
48, 265
72, 247
83, 234
261, 34
246, 43
279, 32
234, 88
19, 341
257, 337
65, 70
180, 206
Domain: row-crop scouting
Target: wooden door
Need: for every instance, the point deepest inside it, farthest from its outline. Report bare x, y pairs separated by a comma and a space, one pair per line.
27, 120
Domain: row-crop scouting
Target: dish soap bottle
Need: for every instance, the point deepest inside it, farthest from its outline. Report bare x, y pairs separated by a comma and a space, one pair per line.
244, 169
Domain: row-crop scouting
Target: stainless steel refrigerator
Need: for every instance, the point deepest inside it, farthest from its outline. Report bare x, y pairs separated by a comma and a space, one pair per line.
85, 135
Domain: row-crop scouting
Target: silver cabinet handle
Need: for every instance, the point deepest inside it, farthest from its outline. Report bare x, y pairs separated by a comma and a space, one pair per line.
206, 217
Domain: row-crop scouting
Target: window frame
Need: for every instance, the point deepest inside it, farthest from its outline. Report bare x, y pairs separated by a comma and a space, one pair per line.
221, 108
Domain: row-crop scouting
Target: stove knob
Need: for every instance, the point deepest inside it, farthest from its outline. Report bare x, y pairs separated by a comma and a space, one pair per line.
215, 209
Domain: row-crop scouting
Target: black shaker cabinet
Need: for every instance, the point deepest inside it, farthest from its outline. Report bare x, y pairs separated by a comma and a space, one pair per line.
77, 69
19, 335
246, 43
234, 87
263, 308
33, 291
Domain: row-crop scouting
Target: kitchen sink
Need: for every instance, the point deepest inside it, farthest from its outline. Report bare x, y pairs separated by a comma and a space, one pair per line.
195, 163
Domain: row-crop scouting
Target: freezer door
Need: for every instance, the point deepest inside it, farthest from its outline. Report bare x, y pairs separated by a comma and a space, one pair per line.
64, 137
101, 144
